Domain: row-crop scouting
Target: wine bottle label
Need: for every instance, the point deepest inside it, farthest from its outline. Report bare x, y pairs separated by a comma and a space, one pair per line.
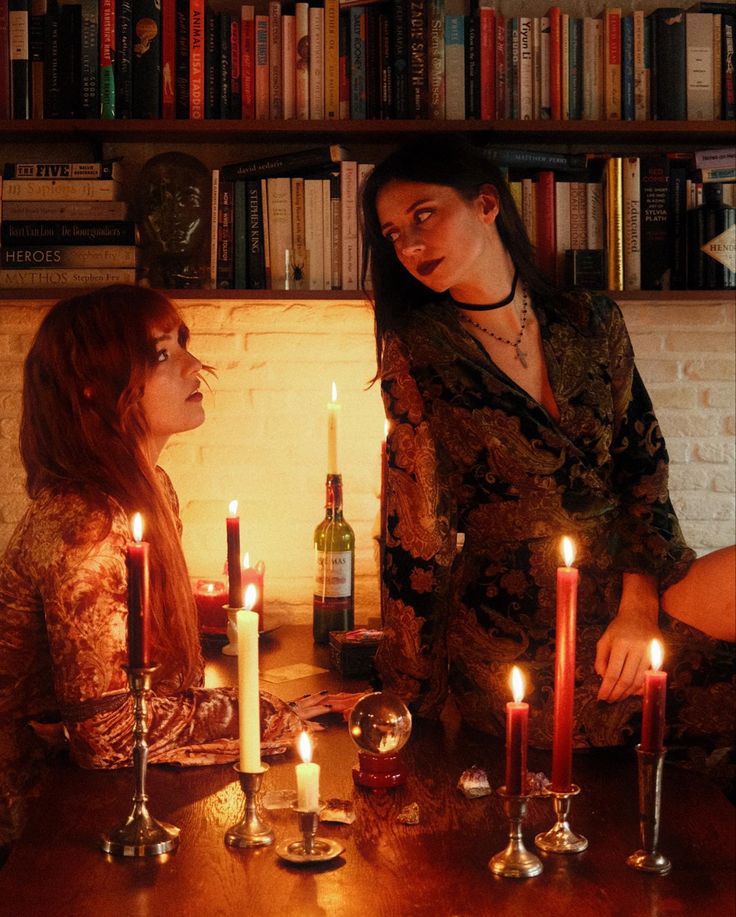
333, 574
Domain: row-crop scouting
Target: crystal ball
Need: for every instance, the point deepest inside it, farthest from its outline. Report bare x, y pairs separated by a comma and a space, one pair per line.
380, 723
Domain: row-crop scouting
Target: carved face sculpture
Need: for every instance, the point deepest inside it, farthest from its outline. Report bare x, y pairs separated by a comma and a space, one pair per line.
174, 204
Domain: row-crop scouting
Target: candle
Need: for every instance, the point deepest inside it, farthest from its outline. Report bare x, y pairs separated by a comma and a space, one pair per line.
253, 576
233, 556
567, 603
333, 411
249, 702
382, 530
307, 778
209, 597
138, 597
655, 694
517, 732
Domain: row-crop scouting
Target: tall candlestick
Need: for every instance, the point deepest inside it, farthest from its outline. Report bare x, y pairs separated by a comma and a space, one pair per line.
567, 603
333, 412
235, 589
249, 704
139, 637
517, 732
655, 696
307, 778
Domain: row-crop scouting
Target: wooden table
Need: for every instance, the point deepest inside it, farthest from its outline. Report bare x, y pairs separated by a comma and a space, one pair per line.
438, 868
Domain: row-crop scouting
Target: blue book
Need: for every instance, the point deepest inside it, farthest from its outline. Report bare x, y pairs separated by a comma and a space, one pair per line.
627, 68
358, 107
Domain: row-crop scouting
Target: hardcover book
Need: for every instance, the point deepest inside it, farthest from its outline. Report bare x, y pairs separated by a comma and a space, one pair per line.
669, 97
654, 219
146, 59
68, 232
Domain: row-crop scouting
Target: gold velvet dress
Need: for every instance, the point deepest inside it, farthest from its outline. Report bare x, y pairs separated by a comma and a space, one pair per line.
63, 642
470, 452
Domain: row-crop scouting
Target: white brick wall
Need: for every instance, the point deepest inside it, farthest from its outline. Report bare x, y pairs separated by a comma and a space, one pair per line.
264, 439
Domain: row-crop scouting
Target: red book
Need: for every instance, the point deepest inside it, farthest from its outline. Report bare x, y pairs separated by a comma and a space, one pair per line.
487, 62
4, 62
555, 85
196, 59
168, 58
248, 61
500, 66
546, 237
235, 64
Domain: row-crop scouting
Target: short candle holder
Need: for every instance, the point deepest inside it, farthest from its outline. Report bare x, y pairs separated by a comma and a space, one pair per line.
561, 838
648, 859
515, 861
251, 830
231, 647
309, 848
141, 834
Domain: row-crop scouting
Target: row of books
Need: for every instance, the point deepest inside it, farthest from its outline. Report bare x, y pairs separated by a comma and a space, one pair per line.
329, 59
654, 222
66, 225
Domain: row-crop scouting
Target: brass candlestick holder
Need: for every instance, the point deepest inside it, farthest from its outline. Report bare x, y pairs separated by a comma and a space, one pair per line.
515, 861
648, 859
251, 830
141, 834
561, 838
309, 848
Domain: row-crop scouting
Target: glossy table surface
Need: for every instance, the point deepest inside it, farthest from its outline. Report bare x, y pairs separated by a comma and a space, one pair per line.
438, 867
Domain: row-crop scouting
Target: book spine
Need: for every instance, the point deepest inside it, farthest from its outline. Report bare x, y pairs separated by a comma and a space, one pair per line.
19, 55
529, 208
472, 66
512, 60
275, 76
526, 92
455, 67
536, 159
288, 65
720, 174
594, 215
562, 227
612, 69
255, 265
106, 169
225, 266
266, 236
575, 61
65, 277
326, 233
669, 102
124, 59
631, 177
182, 59
358, 109
89, 60
565, 66
196, 60
298, 229
654, 242
641, 76
248, 62
593, 64
286, 164
65, 210
545, 224
212, 68
279, 228
627, 69
386, 98
545, 104
68, 232
261, 68
332, 58
418, 87
720, 158
677, 223
107, 59
400, 58
302, 61
94, 256
147, 59
5, 107
18, 189
236, 58
70, 49
614, 223
372, 71
728, 83
214, 224
436, 63
314, 232
240, 237
316, 63
555, 98
219, 63
699, 66
39, 9
349, 223
578, 217
500, 66
168, 59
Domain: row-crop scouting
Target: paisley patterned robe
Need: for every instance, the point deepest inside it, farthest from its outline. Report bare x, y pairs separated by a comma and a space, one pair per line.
471, 452
63, 641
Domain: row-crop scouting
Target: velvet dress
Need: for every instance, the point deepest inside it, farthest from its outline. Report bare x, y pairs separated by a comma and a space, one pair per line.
471, 454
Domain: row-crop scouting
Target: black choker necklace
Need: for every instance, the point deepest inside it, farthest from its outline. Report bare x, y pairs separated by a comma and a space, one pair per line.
489, 307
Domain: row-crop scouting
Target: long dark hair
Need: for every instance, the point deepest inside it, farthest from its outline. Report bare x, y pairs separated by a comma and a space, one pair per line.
448, 160
83, 430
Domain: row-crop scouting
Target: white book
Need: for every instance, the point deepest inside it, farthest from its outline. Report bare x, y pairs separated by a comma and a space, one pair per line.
314, 230
720, 158
562, 226
349, 223
298, 219
578, 219
316, 63
279, 228
68, 189
301, 13
454, 67
213, 226
266, 235
632, 222
592, 68
699, 66
288, 65
275, 74
65, 210
594, 215
526, 69
327, 246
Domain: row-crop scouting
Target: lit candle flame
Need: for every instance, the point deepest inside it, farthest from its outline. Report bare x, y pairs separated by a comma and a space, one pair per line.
210, 587
655, 654
568, 551
517, 684
305, 747
138, 528
249, 597
233, 507
334, 392
246, 560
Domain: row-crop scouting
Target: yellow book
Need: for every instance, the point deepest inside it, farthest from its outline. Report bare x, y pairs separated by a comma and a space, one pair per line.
614, 223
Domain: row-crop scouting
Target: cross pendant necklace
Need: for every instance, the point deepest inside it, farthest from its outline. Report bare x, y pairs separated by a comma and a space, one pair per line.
520, 354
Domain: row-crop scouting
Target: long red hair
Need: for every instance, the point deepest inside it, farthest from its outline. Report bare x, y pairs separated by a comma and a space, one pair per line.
83, 430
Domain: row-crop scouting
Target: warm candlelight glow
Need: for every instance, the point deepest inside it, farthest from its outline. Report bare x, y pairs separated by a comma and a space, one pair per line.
246, 560
385, 428
334, 392
655, 654
305, 747
568, 551
210, 587
517, 684
138, 528
233, 507
250, 596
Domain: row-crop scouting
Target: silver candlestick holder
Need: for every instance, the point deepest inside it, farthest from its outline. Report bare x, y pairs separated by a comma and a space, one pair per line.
309, 848
515, 861
251, 830
561, 838
648, 859
141, 834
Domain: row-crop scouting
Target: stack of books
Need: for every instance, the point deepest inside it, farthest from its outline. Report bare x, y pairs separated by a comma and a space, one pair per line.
65, 224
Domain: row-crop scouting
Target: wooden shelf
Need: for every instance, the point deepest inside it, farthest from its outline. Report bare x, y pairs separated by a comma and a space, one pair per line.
557, 132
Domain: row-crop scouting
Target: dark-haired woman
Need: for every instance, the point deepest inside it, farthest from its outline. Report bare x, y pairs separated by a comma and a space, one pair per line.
518, 416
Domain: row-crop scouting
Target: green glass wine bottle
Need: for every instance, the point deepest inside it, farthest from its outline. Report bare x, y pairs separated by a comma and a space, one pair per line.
334, 573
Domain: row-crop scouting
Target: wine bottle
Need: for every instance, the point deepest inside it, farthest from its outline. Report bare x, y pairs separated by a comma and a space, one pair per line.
334, 575
711, 238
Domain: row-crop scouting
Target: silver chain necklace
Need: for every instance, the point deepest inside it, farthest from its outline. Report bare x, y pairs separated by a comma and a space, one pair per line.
520, 354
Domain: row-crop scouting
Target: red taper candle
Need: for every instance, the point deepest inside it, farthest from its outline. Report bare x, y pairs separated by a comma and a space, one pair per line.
138, 598
235, 589
567, 604
517, 736
655, 696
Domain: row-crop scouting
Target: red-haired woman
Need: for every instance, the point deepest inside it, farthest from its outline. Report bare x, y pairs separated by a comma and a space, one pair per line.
108, 379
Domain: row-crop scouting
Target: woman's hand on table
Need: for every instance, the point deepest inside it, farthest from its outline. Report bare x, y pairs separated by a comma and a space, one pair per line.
313, 705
